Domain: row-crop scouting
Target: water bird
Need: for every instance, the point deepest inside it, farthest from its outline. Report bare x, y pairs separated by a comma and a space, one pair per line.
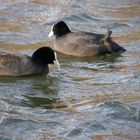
17, 64
82, 44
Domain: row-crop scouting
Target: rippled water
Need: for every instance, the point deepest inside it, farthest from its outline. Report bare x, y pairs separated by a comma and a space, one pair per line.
94, 98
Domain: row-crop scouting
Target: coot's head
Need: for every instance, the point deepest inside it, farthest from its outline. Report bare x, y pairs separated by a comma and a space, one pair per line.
45, 56
59, 29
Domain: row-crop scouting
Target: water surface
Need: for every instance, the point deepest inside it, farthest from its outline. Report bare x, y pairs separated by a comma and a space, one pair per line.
95, 98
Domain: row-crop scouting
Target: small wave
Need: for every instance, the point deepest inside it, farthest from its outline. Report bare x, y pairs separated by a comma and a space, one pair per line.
116, 25
3, 109
119, 110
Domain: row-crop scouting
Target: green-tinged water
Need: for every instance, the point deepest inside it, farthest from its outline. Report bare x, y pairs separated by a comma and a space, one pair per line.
96, 98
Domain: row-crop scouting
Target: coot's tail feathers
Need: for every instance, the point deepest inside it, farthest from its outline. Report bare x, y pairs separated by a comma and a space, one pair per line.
122, 49
108, 34
107, 42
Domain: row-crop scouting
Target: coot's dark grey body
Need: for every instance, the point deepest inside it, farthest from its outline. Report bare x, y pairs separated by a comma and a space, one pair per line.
15, 64
82, 44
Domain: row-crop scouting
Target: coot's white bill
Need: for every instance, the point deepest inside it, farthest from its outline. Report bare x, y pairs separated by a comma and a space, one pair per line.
55, 64
51, 32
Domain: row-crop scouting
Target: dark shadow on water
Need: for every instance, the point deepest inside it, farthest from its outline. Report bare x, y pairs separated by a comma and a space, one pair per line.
46, 93
41, 91
13, 79
47, 103
110, 57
